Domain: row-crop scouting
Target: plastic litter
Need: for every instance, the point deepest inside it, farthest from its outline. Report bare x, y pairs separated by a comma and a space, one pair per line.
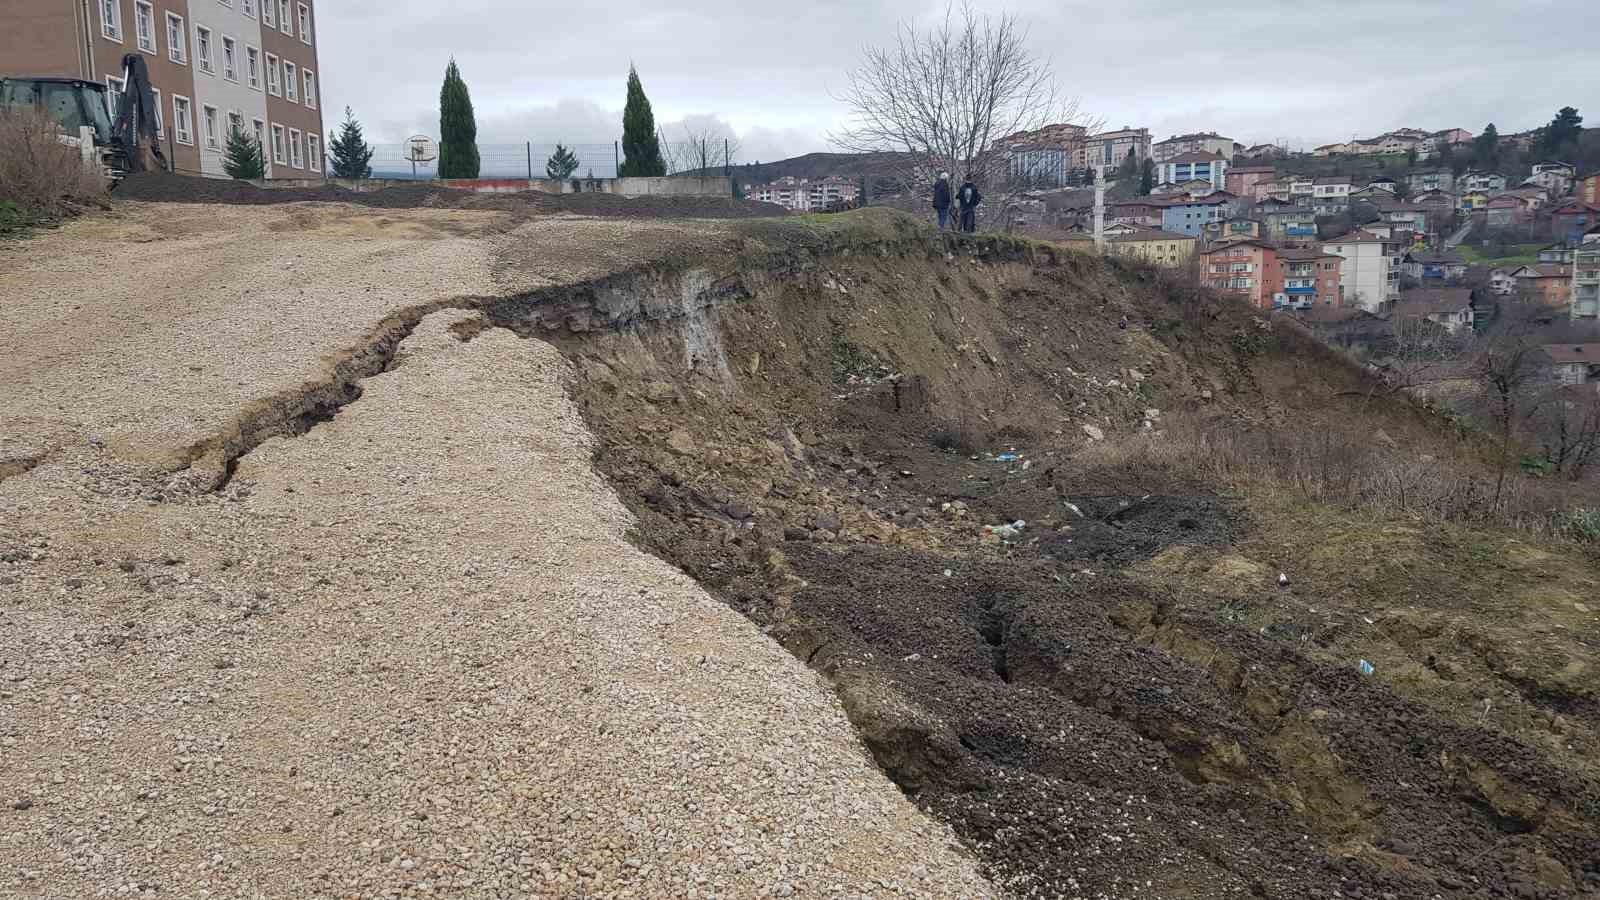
1007, 532
1075, 510
1364, 667
1008, 456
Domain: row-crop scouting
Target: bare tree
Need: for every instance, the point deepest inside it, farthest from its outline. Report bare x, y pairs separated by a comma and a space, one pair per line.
1511, 380
699, 150
945, 98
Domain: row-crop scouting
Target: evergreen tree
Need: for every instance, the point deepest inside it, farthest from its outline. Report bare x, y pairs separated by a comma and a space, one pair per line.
561, 163
243, 158
458, 130
1486, 147
1147, 178
641, 146
1563, 130
352, 155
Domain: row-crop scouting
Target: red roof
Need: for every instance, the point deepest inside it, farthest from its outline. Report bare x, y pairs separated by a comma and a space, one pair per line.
1431, 301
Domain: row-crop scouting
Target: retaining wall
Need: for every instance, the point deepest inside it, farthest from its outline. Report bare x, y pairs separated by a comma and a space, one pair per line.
683, 186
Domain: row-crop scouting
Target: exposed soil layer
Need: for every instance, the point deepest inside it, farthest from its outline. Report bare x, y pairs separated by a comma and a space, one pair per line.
820, 438
163, 187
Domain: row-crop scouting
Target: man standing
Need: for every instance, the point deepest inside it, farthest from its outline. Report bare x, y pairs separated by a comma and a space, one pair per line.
969, 198
941, 199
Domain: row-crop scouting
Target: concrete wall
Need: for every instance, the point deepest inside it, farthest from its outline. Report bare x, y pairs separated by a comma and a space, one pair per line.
628, 187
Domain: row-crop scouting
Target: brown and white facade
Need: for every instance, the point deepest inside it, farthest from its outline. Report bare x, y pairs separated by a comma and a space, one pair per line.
215, 65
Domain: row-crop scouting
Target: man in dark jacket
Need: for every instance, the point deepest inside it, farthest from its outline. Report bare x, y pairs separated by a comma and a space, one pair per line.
941, 199
969, 198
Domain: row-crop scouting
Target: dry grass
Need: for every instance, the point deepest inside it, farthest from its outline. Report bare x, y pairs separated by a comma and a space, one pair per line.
1349, 467
40, 177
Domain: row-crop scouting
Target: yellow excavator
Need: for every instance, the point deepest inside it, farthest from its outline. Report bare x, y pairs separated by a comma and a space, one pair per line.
113, 146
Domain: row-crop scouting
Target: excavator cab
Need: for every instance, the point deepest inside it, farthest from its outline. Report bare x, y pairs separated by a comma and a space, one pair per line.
79, 107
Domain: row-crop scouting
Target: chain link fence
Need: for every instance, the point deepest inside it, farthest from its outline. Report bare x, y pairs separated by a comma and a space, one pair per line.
527, 160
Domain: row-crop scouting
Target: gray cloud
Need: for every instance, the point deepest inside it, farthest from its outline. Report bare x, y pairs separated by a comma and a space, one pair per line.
1257, 70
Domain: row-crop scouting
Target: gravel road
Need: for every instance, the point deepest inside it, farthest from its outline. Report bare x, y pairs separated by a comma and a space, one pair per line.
409, 652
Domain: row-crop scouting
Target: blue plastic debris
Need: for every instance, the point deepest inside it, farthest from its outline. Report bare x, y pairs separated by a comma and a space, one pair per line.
1364, 667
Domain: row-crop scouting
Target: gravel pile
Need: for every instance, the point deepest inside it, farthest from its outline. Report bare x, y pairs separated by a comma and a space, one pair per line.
407, 653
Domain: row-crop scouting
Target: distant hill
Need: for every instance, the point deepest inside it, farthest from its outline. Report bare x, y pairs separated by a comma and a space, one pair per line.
812, 165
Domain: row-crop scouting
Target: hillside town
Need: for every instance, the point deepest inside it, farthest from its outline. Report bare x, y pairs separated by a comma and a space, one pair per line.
1412, 224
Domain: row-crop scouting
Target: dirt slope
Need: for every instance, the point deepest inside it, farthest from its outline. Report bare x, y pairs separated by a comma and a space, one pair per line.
302, 595
1119, 701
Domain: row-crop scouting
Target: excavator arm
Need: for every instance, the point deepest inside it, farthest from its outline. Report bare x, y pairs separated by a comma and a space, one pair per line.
134, 131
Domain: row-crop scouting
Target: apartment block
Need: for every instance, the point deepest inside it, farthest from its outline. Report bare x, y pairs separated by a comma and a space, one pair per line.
1199, 142
208, 67
1107, 150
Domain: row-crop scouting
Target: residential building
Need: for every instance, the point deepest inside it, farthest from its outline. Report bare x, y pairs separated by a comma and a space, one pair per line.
1331, 149
1233, 229
88, 40
1555, 177
1189, 216
1472, 201
1264, 151
1588, 189
1509, 209
807, 195
1143, 212
1302, 190
1242, 180
1246, 268
1107, 150
1574, 363
1307, 277
1450, 308
1433, 266
1571, 219
1488, 182
1291, 224
1501, 282
1162, 248
1369, 273
229, 90
1549, 282
1331, 191
1200, 142
832, 193
1350, 327
1586, 277
1382, 188
1453, 136
1199, 165
1046, 158
1403, 215
1423, 180
1559, 253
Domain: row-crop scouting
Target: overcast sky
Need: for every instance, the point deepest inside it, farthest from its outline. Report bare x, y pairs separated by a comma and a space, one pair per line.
1255, 70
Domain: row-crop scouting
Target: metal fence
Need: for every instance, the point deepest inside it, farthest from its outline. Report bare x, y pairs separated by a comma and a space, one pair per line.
527, 160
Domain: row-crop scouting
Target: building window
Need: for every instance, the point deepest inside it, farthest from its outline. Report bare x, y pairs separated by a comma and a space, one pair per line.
235, 123
313, 153
182, 125
296, 153
284, 25
252, 67
111, 19
272, 76
177, 39
259, 131
230, 59
208, 127
305, 23
144, 26
311, 88
202, 48
291, 81
266, 12
114, 89
161, 129
278, 155
248, 7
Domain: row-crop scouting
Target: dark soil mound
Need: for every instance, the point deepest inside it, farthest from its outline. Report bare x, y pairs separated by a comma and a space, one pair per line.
161, 187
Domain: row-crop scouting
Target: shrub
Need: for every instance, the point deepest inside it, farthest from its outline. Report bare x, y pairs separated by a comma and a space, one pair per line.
40, 177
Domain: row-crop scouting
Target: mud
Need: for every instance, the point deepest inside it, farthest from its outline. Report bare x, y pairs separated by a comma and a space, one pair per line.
822, 451
161, 187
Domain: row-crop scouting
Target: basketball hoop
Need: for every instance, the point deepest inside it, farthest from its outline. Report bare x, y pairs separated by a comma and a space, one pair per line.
420, 149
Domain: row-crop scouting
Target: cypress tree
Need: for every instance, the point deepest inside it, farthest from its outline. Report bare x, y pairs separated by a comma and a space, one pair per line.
458, 130
641, 147
352, 155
